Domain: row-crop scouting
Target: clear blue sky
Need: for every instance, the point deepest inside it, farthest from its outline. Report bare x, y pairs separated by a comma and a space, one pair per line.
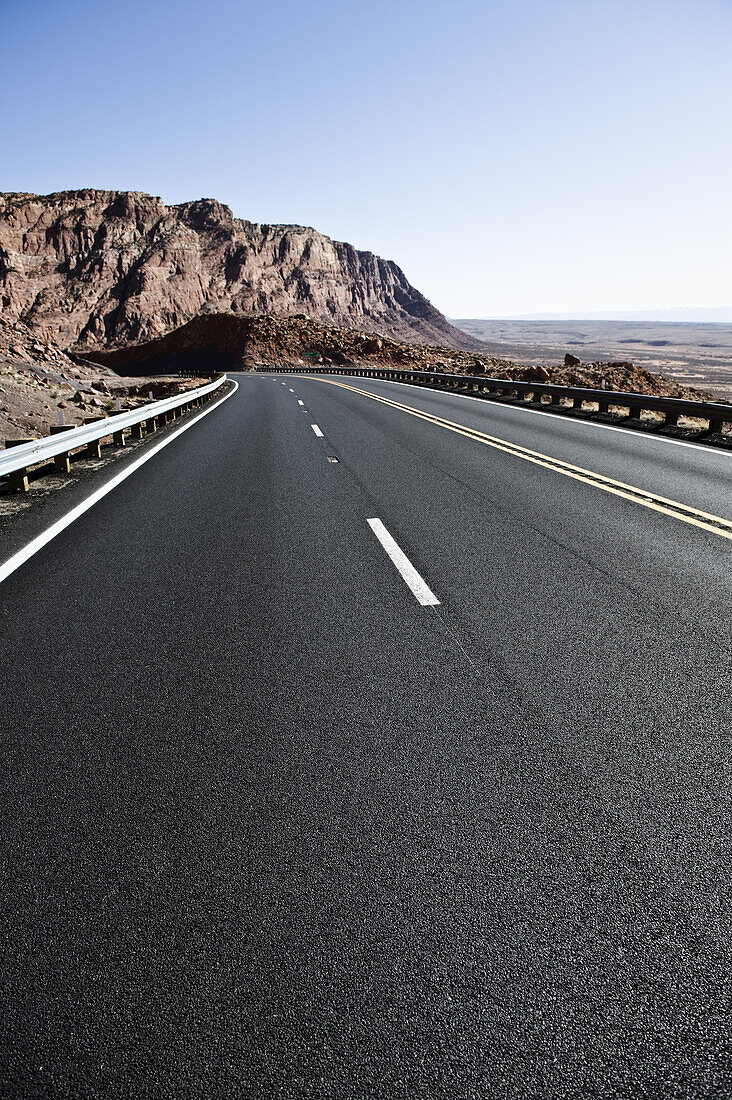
512, 157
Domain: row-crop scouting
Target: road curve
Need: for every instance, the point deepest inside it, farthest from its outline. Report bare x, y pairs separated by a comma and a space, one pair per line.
374, 761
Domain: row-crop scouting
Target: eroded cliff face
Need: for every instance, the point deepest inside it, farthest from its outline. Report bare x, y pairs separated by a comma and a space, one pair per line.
109, 268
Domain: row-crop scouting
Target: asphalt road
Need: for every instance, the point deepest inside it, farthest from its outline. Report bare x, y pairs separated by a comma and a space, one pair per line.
271, 827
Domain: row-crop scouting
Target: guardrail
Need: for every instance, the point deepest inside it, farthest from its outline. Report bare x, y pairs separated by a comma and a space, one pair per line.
716, 413
19, 458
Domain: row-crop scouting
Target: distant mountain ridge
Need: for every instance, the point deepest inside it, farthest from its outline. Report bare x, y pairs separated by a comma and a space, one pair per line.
106, 269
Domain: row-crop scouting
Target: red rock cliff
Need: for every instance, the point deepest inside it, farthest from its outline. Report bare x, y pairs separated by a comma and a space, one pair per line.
108, 268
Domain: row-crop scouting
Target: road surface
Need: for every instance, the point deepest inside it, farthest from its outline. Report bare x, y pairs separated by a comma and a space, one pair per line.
285, 814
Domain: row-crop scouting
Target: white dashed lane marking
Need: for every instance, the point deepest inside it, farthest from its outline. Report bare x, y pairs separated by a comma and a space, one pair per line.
416, 583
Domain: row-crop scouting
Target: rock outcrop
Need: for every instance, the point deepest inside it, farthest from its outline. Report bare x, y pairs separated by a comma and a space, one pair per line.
108, 268
227, 342
20, 344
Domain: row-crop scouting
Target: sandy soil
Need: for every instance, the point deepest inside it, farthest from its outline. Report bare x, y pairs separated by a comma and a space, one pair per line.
693, 354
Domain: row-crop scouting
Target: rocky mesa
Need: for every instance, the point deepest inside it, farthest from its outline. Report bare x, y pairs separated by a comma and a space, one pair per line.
104, 269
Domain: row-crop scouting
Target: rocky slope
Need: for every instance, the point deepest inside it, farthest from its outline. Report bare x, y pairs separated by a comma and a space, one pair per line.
239, 343
40, 385
107, 268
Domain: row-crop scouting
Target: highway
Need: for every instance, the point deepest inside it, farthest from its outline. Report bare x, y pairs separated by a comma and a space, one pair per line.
299, 805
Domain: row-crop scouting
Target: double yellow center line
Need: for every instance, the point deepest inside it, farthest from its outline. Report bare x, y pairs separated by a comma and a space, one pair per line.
708, 522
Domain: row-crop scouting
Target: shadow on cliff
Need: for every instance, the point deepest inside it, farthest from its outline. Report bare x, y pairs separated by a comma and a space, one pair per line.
199, 361
227, 341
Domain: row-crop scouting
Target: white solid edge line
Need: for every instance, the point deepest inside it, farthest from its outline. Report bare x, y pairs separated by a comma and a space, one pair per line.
417, 585
56, 528
555, 416
317, 430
